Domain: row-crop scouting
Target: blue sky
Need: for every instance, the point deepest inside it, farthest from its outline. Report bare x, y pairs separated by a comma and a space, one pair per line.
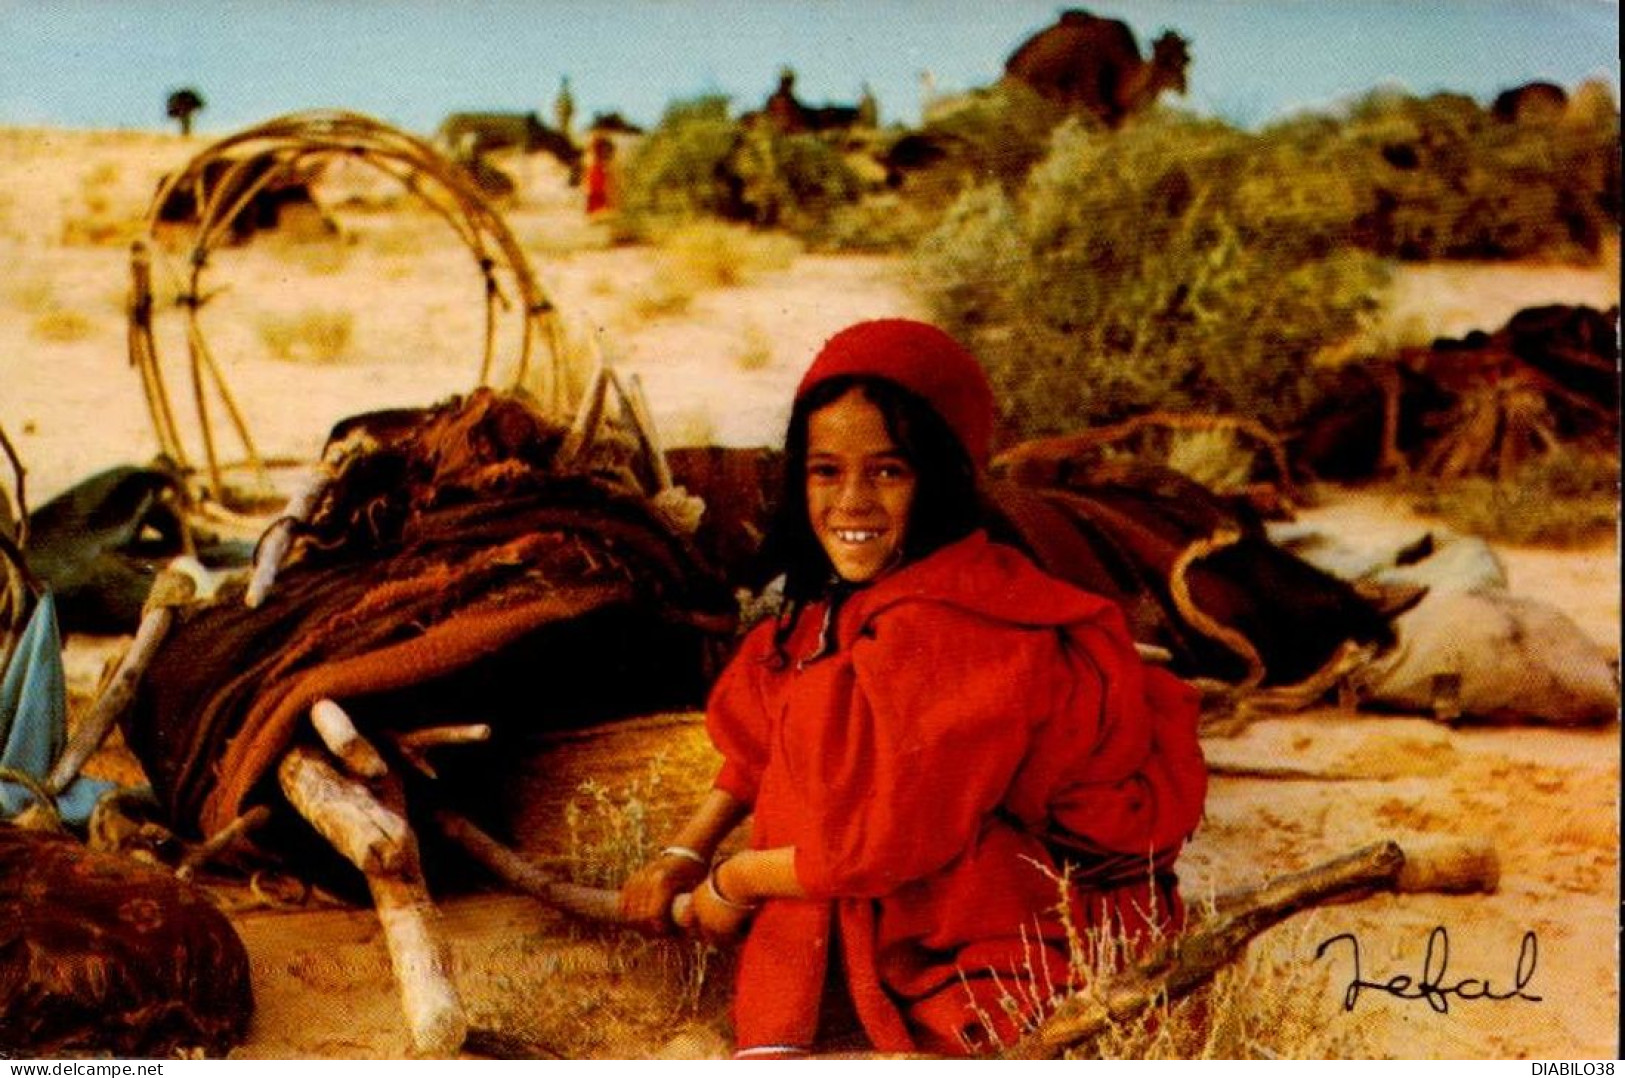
110, 63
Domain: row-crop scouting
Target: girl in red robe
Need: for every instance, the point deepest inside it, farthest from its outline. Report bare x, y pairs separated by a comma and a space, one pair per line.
930, 738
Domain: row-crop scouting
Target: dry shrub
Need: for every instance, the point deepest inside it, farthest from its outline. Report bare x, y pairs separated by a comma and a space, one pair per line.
35, 294
99, 230
1269, 1002
1136, 272
309, 336
691, 427
700, 162
613, 833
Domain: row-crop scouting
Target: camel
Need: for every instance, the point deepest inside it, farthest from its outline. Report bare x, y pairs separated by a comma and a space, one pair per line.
1094, 65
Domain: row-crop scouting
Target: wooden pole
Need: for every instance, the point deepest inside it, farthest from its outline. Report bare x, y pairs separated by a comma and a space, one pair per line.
376, 838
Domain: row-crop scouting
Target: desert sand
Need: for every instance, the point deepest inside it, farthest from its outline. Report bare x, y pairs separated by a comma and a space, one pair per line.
717, 364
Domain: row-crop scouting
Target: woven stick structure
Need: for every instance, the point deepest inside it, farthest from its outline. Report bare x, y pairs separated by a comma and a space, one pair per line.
286, 149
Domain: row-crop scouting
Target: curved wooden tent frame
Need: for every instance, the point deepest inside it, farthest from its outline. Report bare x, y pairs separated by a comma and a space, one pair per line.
291, 146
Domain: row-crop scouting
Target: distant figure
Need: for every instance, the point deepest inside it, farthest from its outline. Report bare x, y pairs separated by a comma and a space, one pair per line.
928, 91
782, 108
564, 108
1092, 64
180, 107
601, 186
868, 108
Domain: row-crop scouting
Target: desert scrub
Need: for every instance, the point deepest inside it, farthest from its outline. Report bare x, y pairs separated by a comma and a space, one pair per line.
1566, 498
1142, 270
308, 336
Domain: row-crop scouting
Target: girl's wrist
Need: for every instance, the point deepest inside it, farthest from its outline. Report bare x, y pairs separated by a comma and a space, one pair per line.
730, 889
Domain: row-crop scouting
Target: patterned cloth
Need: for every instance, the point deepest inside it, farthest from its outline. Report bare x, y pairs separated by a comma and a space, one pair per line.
102, 954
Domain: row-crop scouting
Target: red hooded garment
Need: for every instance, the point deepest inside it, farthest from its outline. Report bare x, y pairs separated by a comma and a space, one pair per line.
970, 704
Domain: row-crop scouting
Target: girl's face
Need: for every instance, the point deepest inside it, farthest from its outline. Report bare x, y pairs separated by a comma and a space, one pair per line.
860, 489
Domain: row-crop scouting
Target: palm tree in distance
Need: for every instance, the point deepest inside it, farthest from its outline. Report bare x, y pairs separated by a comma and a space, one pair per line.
180, 106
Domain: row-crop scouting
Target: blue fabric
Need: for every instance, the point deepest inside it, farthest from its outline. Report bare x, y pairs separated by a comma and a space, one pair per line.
34, 718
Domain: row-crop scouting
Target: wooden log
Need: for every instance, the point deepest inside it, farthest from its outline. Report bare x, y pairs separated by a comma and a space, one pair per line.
589, 416
338, 732
593, 903
428, 737
1187, 962
376, 839
221, 840
370, 835
116, 697
421, 961
412, 744
278, 538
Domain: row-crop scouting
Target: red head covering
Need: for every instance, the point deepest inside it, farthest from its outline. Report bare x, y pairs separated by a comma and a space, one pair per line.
922, 359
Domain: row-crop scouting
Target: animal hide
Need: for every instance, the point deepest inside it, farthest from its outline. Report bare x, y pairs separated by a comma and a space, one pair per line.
1470, 648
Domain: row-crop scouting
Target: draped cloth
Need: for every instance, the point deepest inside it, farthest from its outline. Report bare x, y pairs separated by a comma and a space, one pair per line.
975, 727
453, 574
34, 718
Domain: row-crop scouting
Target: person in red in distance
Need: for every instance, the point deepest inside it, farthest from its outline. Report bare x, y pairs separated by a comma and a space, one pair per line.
929, 735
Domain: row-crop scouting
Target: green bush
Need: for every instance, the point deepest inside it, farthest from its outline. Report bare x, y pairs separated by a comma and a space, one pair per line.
700, 162
678, 171
1440, 177
1145, 269
1180, 263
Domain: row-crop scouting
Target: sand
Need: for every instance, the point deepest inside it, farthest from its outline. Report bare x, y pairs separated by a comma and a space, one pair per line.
717, 364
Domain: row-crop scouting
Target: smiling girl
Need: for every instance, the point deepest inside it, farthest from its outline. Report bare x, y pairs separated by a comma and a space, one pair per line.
928, 738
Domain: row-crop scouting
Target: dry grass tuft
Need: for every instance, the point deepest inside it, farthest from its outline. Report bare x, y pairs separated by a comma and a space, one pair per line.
1214, 458
756, 353
308, 336
61, 325
712, 254
666, 296
327, 257
1567, 498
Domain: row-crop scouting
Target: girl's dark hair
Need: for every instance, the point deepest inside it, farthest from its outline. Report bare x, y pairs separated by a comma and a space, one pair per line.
946, 505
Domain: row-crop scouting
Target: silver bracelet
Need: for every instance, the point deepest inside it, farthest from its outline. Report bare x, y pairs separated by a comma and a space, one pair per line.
716, 893
687, 853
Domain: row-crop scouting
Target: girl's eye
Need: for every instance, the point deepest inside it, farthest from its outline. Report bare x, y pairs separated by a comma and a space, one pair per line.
821, 471
892, 470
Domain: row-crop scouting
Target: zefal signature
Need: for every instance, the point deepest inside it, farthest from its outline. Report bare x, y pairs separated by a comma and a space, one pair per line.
1432, 986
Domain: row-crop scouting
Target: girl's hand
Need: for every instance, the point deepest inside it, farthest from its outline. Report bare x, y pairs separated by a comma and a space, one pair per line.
646, 898
711, 915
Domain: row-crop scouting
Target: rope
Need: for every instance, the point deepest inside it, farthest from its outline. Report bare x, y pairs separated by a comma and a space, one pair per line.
42, 796
1203, 622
